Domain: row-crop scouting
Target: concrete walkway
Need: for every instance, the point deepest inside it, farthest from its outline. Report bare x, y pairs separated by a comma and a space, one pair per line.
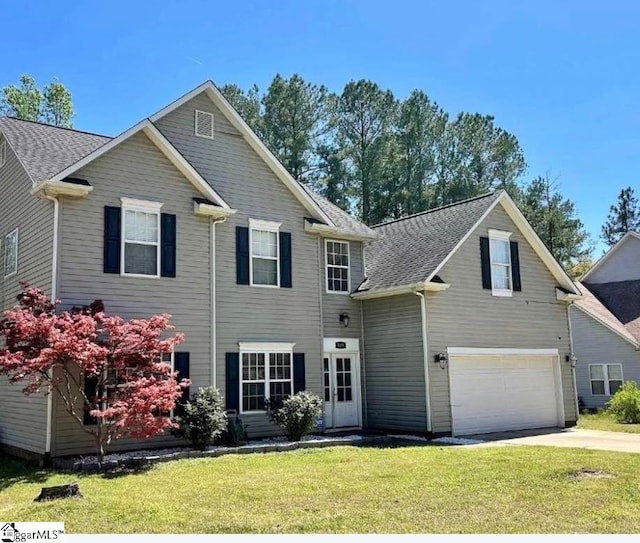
568, 437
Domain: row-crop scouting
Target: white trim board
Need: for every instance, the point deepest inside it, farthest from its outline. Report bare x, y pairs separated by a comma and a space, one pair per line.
254, 142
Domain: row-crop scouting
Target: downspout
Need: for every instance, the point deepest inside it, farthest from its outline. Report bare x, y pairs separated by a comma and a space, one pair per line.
212, 250
425, 356
572, 361
54, 294
363, 356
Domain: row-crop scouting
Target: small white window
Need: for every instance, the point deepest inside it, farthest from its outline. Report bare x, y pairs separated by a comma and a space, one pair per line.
204, 124
3, 153
266, 375
11, 253
140, 238
500, 256
265, 253
337, 266
605, 379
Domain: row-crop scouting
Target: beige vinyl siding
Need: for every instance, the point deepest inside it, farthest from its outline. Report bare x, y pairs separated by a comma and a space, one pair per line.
246, 313
334, 304
466, 315
136, 169
594, 343
23, 418
394, 370
622, 265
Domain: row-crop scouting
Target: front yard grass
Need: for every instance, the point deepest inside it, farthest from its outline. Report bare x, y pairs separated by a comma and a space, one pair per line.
603, 421
419, 489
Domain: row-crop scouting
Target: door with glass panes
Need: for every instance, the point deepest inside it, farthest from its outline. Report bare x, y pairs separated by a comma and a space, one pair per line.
341, 390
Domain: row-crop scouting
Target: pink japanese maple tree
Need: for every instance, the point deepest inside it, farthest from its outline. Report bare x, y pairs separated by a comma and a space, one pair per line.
131, 389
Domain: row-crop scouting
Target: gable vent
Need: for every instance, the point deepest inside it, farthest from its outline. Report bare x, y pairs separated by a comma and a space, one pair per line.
3, 153
204, 124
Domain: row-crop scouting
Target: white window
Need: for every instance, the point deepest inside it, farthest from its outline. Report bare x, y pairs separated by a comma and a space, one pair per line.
204, 124
605, 379
266, 373
11, 253
3, 153
264, 261
140, 238
500, 256
337, 266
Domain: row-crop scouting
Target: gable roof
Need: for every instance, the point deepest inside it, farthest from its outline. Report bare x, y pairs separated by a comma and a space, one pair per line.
622, 299
414, 249
44, 150
612, 250
209, 88
593, 307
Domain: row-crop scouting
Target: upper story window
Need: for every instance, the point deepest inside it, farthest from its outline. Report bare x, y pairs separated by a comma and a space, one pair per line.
3, 153
337, 266
605, 379
204, 124
500, 255
11, 253
265, 253
141, 238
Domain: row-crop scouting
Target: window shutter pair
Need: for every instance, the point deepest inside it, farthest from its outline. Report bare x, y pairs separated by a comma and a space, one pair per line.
113, 242
485, 261
232, 381
243, 255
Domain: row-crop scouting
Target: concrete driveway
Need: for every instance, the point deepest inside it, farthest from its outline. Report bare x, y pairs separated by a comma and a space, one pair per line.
563, 437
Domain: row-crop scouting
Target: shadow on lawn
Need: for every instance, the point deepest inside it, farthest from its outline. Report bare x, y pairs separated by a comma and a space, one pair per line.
14, 471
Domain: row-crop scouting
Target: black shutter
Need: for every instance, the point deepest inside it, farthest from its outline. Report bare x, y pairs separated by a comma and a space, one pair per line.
168, 241
485, 262
298, 373
181, 365
90, 386
112, 227
515, 266
242, 255
285, 259
233, 381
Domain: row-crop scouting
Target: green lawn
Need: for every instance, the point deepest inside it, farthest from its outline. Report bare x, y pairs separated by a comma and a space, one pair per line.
602, 421
420, 489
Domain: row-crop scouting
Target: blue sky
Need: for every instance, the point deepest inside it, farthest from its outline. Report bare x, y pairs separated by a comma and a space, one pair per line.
562, 76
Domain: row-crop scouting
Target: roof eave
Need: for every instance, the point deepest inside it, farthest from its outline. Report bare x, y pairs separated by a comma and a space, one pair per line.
423, 286
334, 231
562, 296
212, 211
60, 188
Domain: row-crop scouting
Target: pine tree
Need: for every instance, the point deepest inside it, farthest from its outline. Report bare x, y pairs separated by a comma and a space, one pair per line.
623, 217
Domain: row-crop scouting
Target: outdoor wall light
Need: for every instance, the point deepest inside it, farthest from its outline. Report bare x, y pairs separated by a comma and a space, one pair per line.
572, 359
344, 319
442, 359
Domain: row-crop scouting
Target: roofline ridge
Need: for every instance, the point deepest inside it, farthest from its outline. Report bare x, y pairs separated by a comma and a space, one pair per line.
58, 127
427, 211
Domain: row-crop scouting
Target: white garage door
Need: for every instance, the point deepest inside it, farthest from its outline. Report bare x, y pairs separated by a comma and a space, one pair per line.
496, 393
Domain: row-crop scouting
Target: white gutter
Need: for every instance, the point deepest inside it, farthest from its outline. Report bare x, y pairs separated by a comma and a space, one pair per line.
214, 353
425, 356
54, 294
573, 367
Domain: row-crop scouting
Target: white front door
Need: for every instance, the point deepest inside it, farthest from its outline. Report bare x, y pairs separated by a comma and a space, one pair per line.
341, 385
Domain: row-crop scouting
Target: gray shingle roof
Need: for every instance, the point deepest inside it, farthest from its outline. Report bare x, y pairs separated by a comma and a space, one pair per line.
592, 305
410, 249
46, 150
621, 298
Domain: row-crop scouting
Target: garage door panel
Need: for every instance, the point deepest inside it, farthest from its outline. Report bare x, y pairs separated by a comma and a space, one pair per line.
497, 393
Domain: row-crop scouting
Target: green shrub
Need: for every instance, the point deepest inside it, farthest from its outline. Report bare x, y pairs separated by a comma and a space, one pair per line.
624, 406
203, 418
296, 414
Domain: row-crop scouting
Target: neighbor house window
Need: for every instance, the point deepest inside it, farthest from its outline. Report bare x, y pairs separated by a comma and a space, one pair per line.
500, 255
141, 238
11, 253
264, 247
266, 374
606, 379
337, 266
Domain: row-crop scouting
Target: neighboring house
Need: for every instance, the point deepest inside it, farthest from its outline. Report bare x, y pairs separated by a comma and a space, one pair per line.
606, 324
187, 212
